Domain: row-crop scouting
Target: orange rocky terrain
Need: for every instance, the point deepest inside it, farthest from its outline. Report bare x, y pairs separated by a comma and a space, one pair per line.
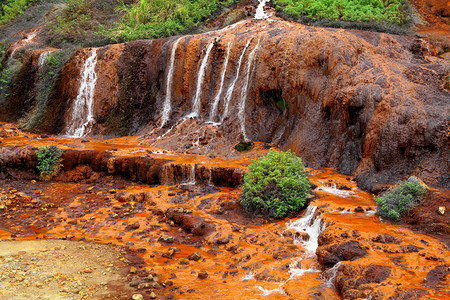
146, 202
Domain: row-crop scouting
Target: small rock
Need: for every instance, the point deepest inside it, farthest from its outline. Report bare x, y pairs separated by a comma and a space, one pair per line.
359, 209
134, 283
155, 285
166, 239
142, 286
137, 297
202, 275
195, 256
153, 295
441, 210
133, 270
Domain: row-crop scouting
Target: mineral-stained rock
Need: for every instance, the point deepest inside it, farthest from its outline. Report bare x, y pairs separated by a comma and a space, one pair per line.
436, 275
349, 250
191, 223
376, 101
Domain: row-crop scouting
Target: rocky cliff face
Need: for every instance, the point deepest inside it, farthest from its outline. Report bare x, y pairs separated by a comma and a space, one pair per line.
369, 104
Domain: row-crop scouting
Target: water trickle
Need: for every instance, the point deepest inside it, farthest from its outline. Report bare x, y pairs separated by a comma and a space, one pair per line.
168, 100
213, 112
244, 92
82, 118
201, 75
331, 274
260, 13
310, 225
178, 174
43, 58
233, 83
192, 176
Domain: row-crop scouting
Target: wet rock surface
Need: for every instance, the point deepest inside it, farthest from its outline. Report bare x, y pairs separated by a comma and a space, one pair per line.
376, 101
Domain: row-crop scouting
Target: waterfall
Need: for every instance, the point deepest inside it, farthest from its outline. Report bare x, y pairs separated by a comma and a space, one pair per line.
260, 14
201, 75
192, 176
212, 115
244, 92
83, 106
172, 173
168, 100
233, 83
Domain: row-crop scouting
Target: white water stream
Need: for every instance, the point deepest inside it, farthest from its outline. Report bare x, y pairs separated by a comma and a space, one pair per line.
244, 92
213, 112
260, 13
82, 118
233, 83
168, 100
201, 75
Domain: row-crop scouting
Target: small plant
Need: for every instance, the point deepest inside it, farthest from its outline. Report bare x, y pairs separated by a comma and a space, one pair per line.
244, 146
400, 199
49, 161
275, 185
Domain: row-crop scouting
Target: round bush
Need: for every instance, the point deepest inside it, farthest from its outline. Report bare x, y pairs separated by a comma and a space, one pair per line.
275, 185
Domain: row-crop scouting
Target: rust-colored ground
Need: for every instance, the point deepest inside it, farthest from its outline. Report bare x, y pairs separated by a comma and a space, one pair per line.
217, 249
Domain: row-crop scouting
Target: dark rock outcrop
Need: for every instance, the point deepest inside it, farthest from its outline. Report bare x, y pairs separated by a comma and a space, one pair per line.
349, 250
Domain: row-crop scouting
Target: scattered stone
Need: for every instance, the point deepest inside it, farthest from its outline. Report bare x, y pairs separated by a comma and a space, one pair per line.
387, 239
196, 256
137, 297
166, 239
153, 295
143, 286
133, 270
202, 275
134, 283
133, 226
359, 209
441, 210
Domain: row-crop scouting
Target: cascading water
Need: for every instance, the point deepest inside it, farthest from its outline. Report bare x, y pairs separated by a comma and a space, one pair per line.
244, 92
213, 112
82, 118
168, 100
233, 83
312, 227
201, 75
260, 14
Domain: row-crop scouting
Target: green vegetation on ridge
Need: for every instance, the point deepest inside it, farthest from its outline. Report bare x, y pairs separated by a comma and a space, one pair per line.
148, 19
393, 11
9, 9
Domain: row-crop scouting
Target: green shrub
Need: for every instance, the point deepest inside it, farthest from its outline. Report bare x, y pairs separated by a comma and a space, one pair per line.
393, 11
49, 161
275, 185
400, 199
